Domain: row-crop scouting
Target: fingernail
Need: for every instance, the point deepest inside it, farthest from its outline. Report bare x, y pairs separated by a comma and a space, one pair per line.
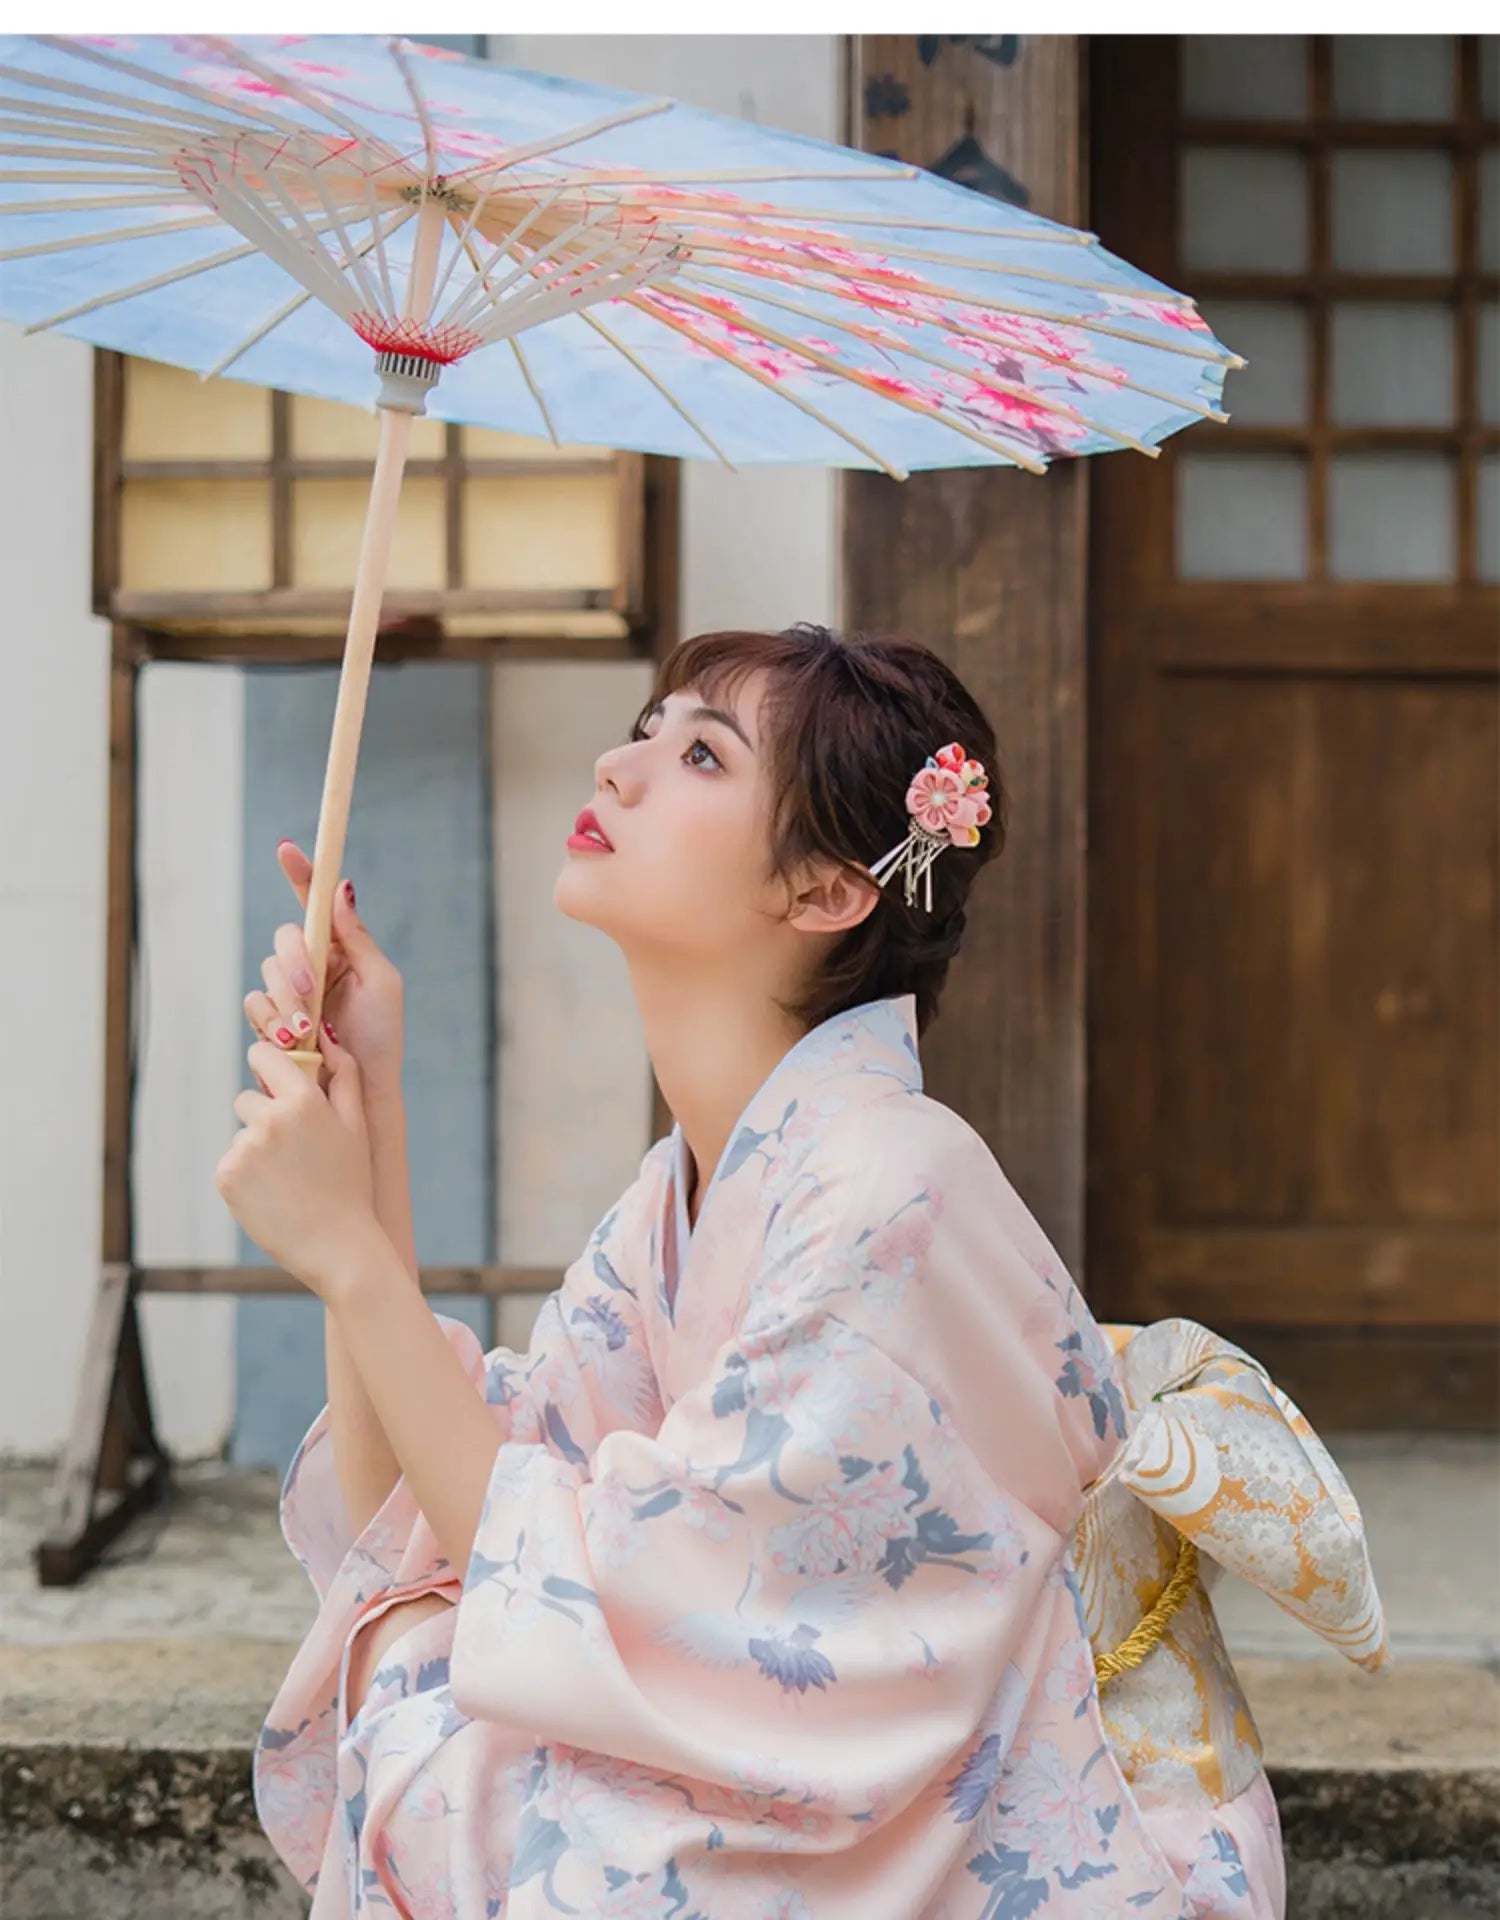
302, 980
330, 1032
285, 1036
282, 843
349, 891
301, 1023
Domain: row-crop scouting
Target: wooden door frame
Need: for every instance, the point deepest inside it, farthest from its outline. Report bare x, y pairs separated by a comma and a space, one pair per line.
1362, 1372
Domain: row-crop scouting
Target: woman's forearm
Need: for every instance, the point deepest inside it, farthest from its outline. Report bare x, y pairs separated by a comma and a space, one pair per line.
363, 1457
385, 1118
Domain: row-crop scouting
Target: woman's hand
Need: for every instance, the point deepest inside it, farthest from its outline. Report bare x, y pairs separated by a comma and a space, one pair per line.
297, 1176
363, 993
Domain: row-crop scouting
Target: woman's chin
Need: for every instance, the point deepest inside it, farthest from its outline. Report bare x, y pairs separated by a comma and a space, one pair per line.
575, 892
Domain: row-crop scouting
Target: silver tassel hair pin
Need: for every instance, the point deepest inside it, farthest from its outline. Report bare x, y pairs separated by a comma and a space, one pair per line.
949, 802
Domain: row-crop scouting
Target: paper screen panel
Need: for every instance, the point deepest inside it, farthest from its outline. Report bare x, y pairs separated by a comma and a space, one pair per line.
585, 623
1391, 516
1244, 76
1393, 363
1392, 211
1489, 364
328, 519
170, 414
1389, 76
488, 443
195, 536
327, 430
542, 532
1243, 210
1270, 390
1487, 507
1241, 516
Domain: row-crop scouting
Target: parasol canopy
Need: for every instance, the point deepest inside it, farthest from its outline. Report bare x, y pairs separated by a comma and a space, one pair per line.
653, 277
364, 219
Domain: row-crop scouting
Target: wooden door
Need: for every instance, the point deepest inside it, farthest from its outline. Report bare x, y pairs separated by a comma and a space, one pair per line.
1293, 761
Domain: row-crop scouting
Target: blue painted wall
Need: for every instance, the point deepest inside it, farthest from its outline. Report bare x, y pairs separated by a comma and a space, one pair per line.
419, 853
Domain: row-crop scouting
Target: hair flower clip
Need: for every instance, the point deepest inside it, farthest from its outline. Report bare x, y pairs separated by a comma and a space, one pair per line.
948, 801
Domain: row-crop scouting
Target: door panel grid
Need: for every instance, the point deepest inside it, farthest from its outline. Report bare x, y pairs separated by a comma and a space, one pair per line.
1337, 207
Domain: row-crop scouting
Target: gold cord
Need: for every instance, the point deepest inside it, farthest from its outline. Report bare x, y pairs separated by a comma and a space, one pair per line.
1133, 1649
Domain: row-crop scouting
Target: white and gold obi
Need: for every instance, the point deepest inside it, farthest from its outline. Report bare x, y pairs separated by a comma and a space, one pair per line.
1216, 1455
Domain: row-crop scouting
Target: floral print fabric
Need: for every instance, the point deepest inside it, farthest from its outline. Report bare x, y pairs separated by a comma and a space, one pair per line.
772, 1612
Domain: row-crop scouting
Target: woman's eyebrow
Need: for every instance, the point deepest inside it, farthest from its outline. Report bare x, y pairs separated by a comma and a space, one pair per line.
705, 713
724, 719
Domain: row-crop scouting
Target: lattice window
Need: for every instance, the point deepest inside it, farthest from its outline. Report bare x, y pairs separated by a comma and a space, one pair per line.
1338, 214
225, 507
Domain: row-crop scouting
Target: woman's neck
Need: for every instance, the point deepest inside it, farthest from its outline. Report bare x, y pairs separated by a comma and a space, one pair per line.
712, 1046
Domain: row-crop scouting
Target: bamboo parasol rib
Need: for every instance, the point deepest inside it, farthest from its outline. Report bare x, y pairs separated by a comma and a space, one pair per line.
878, 336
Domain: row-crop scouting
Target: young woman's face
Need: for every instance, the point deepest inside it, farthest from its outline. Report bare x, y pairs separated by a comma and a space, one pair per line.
683, 806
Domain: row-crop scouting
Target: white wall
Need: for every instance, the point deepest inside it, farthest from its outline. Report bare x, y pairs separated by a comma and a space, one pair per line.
758, 550
192, 1032
54, 733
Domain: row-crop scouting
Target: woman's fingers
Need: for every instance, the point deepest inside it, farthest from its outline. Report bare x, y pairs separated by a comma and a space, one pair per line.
291, 944
288, 1002
267, 1020
295, 864
291, 950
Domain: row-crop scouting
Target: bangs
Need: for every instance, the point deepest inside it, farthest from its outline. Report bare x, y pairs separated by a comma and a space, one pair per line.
719, 664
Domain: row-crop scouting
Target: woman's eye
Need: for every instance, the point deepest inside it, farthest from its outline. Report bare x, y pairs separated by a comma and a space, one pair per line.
638, 732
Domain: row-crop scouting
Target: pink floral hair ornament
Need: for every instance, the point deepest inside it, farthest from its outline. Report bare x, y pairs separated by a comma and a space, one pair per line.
948, 802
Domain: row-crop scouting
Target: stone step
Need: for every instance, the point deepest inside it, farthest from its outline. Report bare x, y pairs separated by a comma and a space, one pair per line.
125, 1785
132, 1701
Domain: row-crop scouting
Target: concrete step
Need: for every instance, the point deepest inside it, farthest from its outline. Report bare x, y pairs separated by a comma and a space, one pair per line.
124, 1771
131, 1704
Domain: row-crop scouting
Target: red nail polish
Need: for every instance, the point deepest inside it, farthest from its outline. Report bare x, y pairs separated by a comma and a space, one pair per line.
284, 1035
330, 1032
349, 891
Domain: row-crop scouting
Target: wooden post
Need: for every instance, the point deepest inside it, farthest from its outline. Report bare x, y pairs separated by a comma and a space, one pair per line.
663, 602
987, 566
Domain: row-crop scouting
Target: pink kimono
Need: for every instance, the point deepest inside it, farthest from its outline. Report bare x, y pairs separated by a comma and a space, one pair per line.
772, 1613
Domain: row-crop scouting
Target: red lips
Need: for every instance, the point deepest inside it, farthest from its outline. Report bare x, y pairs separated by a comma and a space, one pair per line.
587, 827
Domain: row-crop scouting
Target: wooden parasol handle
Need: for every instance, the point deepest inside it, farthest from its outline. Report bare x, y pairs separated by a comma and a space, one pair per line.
359, 650
349, 714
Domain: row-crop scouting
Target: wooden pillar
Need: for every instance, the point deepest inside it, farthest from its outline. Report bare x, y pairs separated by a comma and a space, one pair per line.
987, 567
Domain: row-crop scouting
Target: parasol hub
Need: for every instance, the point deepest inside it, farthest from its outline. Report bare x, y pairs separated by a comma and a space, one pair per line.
405, 381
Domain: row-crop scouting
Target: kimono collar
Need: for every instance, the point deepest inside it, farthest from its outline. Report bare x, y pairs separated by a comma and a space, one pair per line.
860, 1051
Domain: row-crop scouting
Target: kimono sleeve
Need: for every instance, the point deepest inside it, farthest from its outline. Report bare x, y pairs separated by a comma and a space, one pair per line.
586, 1370
803, 1585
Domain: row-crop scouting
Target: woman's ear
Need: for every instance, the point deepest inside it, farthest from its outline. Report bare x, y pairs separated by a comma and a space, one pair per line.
833, 900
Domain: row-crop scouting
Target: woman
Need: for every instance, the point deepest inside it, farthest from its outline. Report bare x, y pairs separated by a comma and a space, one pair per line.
747, 1593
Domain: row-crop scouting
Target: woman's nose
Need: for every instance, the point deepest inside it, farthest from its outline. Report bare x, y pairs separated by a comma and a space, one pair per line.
613, 769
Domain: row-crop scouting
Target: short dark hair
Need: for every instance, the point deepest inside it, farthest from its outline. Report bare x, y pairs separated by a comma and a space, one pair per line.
848, 720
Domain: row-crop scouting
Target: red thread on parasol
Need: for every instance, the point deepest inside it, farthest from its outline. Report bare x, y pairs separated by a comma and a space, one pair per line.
441, 345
